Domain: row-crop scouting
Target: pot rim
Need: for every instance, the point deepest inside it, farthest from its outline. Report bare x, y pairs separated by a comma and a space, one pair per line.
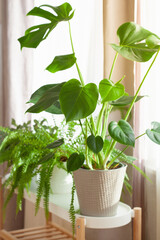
124, 165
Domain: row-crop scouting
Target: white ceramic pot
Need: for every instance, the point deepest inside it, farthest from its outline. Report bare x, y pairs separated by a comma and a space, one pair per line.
61, 181
99, 191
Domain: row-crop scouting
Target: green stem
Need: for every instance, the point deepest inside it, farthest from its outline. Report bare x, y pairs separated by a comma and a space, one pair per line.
121, 79
140, 136
112, 161
87, 150
113, 64
93, 125
109, 152
99, 120
78, 70
106, 115
85, 136
135, 97
101, 161
104, 106
91, 130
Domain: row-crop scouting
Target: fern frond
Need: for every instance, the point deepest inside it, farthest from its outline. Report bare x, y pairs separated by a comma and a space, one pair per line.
72, 210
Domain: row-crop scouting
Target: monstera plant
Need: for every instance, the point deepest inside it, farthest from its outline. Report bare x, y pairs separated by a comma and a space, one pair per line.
77, 101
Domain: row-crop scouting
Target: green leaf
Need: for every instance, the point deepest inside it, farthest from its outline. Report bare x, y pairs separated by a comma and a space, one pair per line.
124, 101
36, 34
39, 12
136, 43
56, 143
50, 97
122, 132
61, 63
2, 136
35, 97
110, 91
75, 161
95, 143
154, 133
141, 172
46, 158
76, 101
63, 11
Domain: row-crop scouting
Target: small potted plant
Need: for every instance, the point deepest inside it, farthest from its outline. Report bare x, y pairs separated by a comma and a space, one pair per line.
100, 160
36, 153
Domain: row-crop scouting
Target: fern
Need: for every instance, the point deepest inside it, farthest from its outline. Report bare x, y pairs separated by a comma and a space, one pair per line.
72, 210
25, 150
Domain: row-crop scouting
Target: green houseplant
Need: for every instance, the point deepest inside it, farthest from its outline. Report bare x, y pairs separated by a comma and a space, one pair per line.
34, 152
77, 100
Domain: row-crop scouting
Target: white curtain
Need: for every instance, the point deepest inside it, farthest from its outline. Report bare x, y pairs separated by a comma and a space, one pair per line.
16, 65
149, 111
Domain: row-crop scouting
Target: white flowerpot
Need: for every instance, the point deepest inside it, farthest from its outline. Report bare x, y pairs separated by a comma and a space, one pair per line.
61, 181
99, 191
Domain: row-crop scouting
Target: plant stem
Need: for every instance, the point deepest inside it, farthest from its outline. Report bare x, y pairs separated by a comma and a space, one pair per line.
101, 161
134, 99
82, 82
99, 120
91, 130
92, 125
105, 106
106, 115
109, 152
85, 136
86, 150
140, 136
113, 64
112, 161
78, 70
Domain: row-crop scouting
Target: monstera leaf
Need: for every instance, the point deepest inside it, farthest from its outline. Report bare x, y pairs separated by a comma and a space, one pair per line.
136, 43
110, 91
75, 161
61, 63
95, 143
124, 101
46, 98
154, 133
122, 132
78, 101
36, 34
35, 97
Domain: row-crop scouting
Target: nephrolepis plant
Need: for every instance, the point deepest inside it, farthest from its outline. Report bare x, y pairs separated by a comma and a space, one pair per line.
33, 152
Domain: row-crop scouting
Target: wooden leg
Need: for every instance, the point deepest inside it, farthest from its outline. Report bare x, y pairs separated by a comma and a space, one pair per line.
137, 224
80, 229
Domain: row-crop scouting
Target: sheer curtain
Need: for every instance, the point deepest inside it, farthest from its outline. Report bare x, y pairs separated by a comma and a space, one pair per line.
17, 65
149, 111
15, 77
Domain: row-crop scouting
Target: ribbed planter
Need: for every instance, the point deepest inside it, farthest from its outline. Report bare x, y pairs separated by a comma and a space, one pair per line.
99, 191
